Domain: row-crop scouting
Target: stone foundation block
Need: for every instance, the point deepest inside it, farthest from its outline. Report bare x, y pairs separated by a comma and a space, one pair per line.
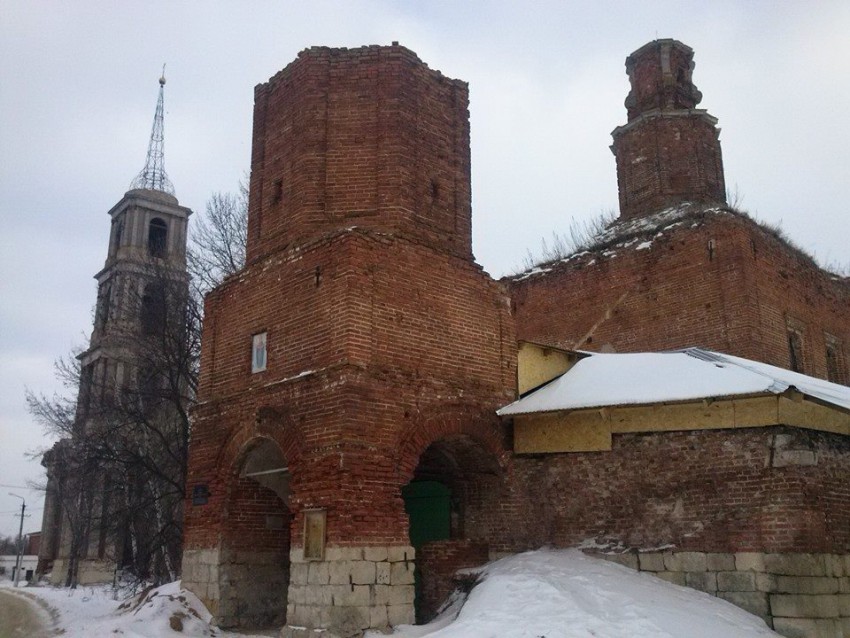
717, 562
749, 561
795, 564
382, 573
400, 615
685, 562
375, 554
335, 554
835, 565
844, 605
401, 573
362, 572
400, 553
702, 581
651, 562
808, 628
804, 606
806, 585
766, 582
677, 578
754, 602
736, 581
349, 595
627, 560
318, 573
378, 618
348, 621
381, 595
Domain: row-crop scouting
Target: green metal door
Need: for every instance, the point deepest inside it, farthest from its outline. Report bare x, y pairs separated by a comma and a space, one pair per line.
428, 507
427, 504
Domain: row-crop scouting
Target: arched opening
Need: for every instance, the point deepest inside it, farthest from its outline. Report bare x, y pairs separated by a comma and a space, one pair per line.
451, 503
157, 237
255, 543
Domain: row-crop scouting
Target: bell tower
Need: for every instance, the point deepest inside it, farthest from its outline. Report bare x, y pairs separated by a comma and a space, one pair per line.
144, 276
669, 151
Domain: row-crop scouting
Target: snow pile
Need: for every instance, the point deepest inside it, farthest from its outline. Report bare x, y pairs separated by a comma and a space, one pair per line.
162, 612
565, 594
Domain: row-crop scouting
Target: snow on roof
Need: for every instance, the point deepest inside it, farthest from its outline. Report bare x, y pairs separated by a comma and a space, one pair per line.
604, 379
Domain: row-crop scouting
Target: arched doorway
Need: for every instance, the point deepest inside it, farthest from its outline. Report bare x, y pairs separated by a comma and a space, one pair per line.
451, 503
256, 540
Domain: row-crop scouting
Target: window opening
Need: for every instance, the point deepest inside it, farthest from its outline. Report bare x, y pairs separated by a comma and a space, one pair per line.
835, 366
258, 352
157, 237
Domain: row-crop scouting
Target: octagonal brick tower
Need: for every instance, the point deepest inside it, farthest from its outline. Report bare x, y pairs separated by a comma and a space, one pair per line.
359, 336
669, 151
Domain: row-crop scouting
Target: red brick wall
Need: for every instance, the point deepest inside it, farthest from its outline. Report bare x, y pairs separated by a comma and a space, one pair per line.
383, 335
437, 563
716, 281
667, 159
669, 152
249, 507
367, 137
401, 345
705, 490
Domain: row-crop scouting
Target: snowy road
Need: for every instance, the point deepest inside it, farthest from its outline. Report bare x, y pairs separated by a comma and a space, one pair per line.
20, 617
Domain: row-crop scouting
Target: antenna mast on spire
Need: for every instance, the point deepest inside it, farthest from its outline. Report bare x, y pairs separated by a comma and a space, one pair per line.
153, 176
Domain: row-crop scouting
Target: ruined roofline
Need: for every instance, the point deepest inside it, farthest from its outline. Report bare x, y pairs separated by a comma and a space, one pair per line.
621, 233
395, 50
658, 42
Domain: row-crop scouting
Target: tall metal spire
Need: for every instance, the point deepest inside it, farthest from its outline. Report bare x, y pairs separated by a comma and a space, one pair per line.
153, 176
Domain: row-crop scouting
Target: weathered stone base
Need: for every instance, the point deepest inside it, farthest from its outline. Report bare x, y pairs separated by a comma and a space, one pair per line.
201, 576
798, 595
240, 588
353, 589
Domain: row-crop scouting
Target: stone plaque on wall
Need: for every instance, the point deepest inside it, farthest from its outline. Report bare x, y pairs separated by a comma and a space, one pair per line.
314, 534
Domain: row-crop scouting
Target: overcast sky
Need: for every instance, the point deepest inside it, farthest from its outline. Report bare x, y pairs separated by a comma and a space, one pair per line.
78, 86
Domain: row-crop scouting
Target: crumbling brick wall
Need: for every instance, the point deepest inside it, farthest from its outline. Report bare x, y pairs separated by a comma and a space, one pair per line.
747, 490
714, 280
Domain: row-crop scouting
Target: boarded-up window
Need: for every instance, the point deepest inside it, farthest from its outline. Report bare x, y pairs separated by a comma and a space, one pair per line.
836, 367
795, 351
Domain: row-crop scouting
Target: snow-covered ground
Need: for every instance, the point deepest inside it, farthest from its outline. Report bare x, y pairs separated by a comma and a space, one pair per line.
87, 612
541, 594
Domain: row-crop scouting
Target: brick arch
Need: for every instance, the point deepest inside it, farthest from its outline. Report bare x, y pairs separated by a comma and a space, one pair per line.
267, 423
483, 428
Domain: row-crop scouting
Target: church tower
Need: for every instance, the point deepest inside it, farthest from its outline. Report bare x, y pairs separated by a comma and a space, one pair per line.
144, 274
353, 367
669, 151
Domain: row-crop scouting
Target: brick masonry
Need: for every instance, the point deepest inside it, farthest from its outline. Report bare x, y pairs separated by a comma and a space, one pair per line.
389, 350
707, 278
384, 337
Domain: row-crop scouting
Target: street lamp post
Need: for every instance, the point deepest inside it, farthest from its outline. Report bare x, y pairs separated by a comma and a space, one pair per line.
20, 559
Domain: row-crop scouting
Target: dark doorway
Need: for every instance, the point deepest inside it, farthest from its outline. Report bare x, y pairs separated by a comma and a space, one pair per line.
450, 504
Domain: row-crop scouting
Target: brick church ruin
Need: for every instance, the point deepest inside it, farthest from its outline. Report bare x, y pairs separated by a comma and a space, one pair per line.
347, 456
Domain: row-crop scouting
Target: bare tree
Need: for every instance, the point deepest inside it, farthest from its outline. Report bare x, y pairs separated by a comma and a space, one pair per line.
218, 239
123, 453
120, 466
